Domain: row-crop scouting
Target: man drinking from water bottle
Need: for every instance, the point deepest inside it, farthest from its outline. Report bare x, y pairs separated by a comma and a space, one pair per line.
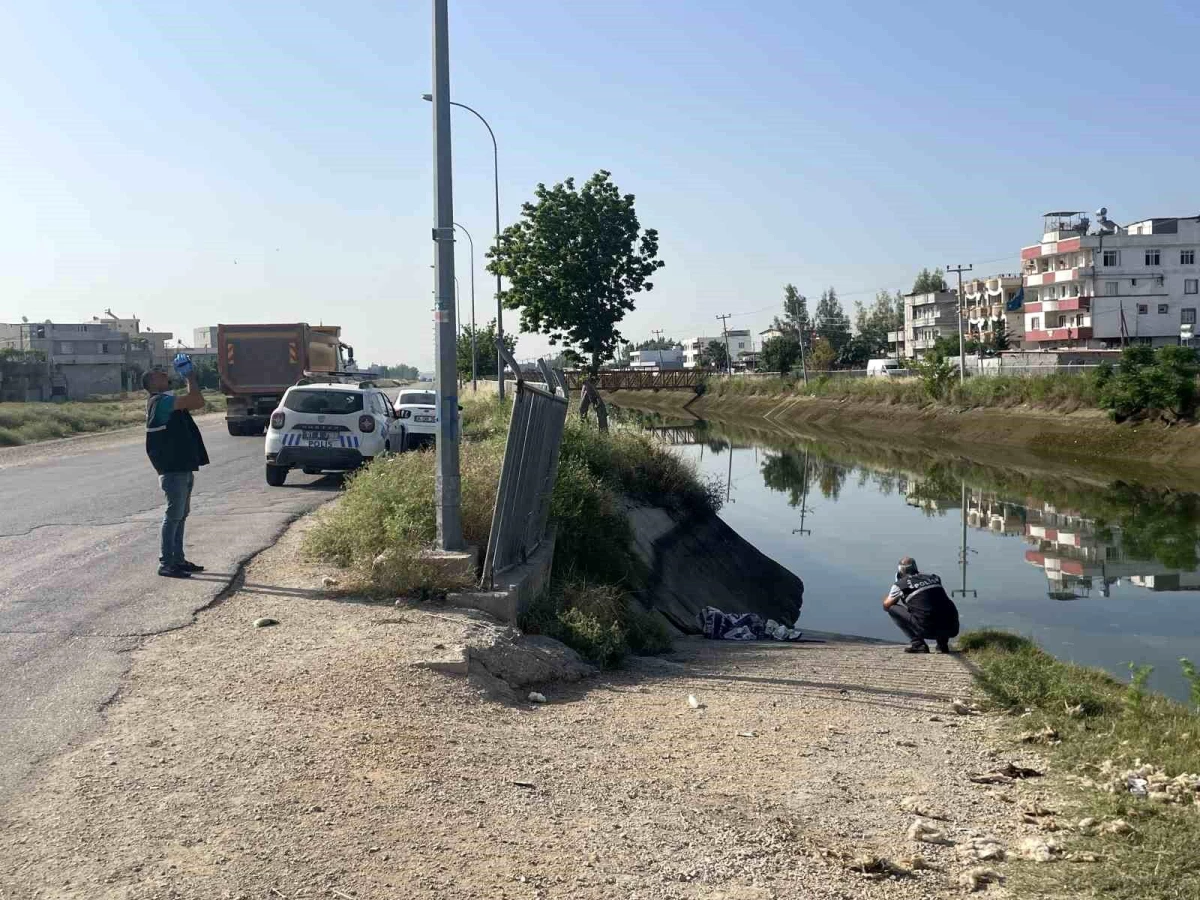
176, 450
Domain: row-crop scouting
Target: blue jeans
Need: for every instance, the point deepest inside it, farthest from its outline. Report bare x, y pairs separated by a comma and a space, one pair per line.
178, 488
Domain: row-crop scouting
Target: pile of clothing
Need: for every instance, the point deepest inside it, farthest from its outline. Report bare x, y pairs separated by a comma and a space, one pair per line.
722, 626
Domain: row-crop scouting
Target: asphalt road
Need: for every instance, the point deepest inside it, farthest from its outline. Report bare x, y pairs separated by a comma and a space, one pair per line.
79, 587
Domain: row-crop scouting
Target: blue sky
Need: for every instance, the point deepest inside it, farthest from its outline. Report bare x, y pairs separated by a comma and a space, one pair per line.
262, 161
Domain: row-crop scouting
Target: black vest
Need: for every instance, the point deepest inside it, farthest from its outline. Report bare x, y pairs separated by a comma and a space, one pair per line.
176, 446
926, 599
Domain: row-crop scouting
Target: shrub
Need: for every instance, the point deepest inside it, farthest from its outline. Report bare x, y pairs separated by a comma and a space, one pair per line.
1153, 383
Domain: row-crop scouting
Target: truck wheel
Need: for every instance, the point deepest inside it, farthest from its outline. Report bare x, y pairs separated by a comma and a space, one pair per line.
276, 475
234, 430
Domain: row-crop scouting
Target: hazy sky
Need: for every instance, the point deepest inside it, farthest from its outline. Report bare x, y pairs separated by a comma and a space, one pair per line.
195, 163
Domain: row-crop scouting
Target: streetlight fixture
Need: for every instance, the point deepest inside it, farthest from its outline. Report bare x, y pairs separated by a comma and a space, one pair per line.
474, 353
496, 191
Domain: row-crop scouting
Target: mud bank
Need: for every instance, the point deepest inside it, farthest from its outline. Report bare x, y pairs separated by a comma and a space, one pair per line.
700, 561
1085, 437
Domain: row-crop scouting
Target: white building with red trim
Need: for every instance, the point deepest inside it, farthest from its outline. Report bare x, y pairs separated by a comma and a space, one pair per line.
1138, 283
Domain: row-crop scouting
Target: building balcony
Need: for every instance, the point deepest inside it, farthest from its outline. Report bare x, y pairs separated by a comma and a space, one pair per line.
1058, 335
1055, 276
1063, 304
88, 359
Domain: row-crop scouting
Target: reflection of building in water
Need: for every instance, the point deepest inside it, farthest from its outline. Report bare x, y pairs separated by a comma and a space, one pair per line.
988, 512
1078, 555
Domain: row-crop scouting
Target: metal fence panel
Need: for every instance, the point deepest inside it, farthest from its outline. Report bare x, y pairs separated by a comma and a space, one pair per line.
527, 475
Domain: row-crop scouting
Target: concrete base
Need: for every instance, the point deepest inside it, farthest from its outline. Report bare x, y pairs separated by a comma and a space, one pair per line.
457, 662
455, 565
515, 589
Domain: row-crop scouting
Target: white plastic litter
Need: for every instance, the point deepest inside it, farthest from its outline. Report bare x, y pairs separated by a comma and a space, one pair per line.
535, 697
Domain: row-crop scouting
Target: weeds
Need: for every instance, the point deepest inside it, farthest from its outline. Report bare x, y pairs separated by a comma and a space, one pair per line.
386, 518
1099, 719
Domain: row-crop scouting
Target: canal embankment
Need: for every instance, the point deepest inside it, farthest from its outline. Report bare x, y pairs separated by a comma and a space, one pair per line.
1085, 436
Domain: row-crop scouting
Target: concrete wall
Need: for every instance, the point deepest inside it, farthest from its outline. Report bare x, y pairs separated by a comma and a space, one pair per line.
83, 381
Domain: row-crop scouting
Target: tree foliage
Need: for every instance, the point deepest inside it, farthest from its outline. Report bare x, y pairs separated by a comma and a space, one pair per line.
832, 323
780, 354
929, 282
574, 263
485, 347
822, 356
715, 355
400, 372
999, 342
795, 319
659, 344
874, 322
1150, 382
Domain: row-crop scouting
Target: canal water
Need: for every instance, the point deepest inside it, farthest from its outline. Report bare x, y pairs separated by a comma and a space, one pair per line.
1098, 572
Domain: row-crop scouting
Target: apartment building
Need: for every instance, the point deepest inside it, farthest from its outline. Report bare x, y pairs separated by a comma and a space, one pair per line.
85, 359
988, 301
1111, 285
671, 358
741, 345
153, 341
926, 318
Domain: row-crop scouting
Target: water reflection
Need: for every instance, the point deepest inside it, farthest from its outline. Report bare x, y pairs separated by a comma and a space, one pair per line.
1022, 547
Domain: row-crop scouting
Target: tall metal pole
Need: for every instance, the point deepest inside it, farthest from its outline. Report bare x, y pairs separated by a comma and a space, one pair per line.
474, 346
728, 357
962, 354
658, 332
447, 485
496, 193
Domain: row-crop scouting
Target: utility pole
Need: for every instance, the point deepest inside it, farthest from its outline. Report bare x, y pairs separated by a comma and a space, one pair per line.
962, 353
658, 333
447, 485
802, 531
725, 332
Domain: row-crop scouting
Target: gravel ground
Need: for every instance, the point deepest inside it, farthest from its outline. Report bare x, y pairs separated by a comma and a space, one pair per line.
314, 759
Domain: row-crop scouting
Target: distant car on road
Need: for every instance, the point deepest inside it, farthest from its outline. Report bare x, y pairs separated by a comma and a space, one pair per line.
884, 368
329, 428
417, 414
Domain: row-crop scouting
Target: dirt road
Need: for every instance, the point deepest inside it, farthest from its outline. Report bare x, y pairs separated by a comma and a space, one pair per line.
312, 759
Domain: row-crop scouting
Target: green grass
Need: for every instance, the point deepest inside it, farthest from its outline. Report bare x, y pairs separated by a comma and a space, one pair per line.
386, 518
1099, 719
31, 423
1061, 392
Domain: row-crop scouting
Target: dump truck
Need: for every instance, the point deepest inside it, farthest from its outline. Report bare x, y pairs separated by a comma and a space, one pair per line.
258, 363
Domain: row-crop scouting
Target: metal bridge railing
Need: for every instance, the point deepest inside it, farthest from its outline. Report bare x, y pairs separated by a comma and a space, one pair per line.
519, 522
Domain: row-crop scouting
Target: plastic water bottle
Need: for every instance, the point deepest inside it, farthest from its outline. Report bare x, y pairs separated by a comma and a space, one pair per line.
183, 365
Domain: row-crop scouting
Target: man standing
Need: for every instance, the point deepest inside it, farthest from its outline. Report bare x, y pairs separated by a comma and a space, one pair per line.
176, 450
921, 608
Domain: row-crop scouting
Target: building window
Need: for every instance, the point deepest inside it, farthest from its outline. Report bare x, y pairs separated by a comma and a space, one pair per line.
1152, 257
1188, 316
1162, 309
66, 347
1112, 258
104, 348
1110, 288
1035, 323
1191, 285
1062, 321
1143, 308
1187, 257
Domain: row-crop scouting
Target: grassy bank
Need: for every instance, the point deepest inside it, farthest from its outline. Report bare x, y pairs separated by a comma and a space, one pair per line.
1110, 735
31, 423
387, 516
1062, 392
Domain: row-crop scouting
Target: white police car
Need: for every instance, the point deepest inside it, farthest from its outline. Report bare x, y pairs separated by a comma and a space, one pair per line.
329, 428
418, 418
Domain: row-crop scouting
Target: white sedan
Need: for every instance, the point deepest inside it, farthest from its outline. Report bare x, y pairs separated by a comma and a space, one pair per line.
329, 428
417, 415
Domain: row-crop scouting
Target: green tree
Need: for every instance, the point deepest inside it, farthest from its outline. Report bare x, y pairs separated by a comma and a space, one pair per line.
822, 356
780, 354
574, 263
832, 323
874, 322
999, 341
485, 347
715, 355
787, 473
659, 344
929, 282
795, 313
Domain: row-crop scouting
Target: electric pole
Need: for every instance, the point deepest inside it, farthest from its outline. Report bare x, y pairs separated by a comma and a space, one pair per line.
657, 332
447, 484
728, 358
962, 353
962, 555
